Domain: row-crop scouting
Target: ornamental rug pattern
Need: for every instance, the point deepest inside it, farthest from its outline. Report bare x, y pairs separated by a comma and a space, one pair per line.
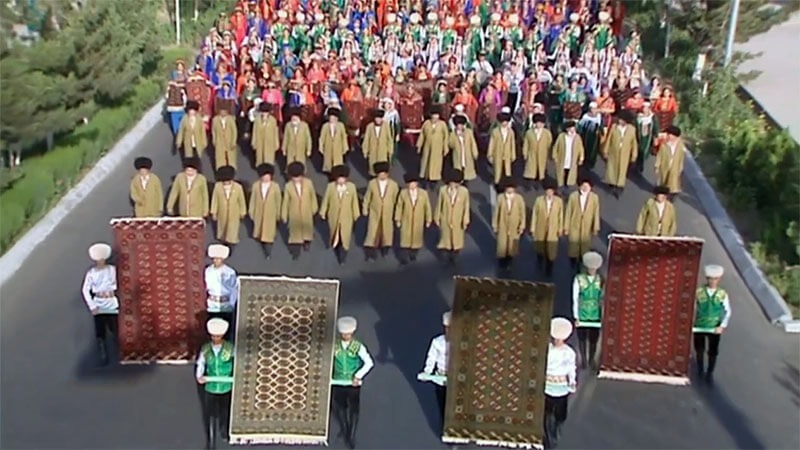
160, 286
499, 333
284, 355
648, 305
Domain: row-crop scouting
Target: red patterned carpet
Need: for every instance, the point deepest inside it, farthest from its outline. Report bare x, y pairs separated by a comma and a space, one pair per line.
161, 290
648, 308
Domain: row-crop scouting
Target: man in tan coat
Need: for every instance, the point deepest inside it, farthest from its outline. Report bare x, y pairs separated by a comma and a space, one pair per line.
657, 217
669, 162
378, 142
568, 156
581, 221
191, 139
620, 151
340, 209
147, 194
298, 208
379, 206
265, 208
224, 136
333, 141
452, 215
265, 140
296, 139
464, 148
413, 215
502, 148
228, 206
547, 225
432, 144
508, 223
189, 191
536, 150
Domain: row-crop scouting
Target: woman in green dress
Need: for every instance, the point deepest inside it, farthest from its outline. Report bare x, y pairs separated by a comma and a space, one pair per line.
646, 132
590, 128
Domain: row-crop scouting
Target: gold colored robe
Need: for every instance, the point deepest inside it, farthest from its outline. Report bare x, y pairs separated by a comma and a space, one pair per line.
620, 150
669, 166
333, 145
224, 140
298, 209
192, 201
650, 223
536, 151
377, 147
147, 201
187, 130
464, 153
265, 140
296, 142
452, 216
547, 226
560, 156
580, 225
412, 217
265, 211
380, 211
341, 213
228, 211
432, 144
508, 223
501, 153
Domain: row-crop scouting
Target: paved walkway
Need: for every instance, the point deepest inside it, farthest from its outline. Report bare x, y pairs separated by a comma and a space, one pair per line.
53, 396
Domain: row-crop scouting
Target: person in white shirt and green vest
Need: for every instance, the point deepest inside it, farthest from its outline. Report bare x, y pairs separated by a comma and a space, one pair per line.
712, 312
436, 361
560, 381
351, 362
587, 306
100, 294
216, 360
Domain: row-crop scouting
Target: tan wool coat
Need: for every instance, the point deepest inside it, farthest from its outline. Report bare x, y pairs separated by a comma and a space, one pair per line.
651, 223
265, 140
536, 152
452, 216
413, 217
432, 144
501, 153
508, 223
377, 146
333, 145
192, 201
581, 224
296, 142
560, 156
464, 153
341, 213
265, 211
147, 201
620, 150
298, 210
669, 166
224, 140
547, 226
188, 129
380, 213
228, 210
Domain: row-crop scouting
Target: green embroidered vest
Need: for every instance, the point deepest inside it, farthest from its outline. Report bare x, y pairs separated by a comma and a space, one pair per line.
219, 365
709, 312
346, 361
589, 298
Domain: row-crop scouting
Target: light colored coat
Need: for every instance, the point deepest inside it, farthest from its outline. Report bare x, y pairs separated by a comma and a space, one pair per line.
297, 210
265, 211
333, 146
228, 211
149, 201
192, 201
547, 226
650, 224
536, 152
580, 225
412, 218
560, 156
265, 140
224, 140
296, 145
380, 212
464, 155
341, 213
508, 223
377, 147
669, 167
501, 153
452, 217
620, 150
432, 144
187, 130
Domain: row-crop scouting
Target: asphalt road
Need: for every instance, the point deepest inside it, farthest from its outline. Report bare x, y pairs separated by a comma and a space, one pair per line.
54, 396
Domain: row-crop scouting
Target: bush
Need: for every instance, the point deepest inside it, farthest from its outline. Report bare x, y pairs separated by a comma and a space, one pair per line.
64, 164
11, 221
33, 192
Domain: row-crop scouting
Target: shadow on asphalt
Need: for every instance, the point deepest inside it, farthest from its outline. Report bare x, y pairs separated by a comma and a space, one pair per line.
731, 418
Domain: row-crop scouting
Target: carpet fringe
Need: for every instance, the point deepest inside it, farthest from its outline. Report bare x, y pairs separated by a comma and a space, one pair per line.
643, 378
277, 440
484, 443
454, 440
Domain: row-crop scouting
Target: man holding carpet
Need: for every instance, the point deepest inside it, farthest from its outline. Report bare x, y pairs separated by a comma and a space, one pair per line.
436, 361
222, 284
216, 360
99, 293
712, 312
587, 297
561, 380
351, 363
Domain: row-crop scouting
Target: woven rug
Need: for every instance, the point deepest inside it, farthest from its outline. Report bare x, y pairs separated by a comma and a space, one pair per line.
648, 308
284, 354
160, 265
495, 385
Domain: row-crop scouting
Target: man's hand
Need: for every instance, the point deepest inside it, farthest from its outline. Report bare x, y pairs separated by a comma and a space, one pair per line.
428, 225
201, 380
719, 330
356, 381
95, 311
214, 217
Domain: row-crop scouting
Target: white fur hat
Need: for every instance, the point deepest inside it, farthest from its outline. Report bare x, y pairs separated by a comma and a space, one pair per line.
513, 19
446, 317
450, 21
560, 328
592, 260
460, 108
432, 17
415, 18
282, 14
604, 16
346, 324
714, 271
574, 17
300, 17
217, 327
391, 17
218, 251
343, 22
496, 17
319, 17
99, 251
475, 20
505, 110
592, 104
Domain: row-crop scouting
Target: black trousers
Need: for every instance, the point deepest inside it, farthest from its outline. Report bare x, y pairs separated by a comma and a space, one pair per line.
505, 263
295, 249
103, 324
408, 254
217, 410
712, 341
555, 414
267, 248
347, 403
441, 399
587, 343
341, 254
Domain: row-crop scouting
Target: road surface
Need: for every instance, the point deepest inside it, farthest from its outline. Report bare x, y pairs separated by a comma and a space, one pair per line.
54, 396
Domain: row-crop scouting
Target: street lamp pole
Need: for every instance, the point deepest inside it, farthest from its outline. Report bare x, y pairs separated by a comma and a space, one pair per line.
732, 32
178, 22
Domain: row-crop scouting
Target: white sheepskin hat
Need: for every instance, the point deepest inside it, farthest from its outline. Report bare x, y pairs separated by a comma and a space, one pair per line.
714, 271
346, 325
99, 251
218, 251
560, 328
592, 260
446, 317
217, 327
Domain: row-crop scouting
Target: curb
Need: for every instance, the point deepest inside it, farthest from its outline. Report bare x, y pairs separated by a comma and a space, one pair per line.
771, 302
15, 257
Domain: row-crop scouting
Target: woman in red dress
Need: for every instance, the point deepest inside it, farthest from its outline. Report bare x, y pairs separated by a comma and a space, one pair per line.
666, 108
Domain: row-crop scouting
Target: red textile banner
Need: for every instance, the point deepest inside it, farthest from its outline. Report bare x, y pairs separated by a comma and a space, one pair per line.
161, 289
648, 308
